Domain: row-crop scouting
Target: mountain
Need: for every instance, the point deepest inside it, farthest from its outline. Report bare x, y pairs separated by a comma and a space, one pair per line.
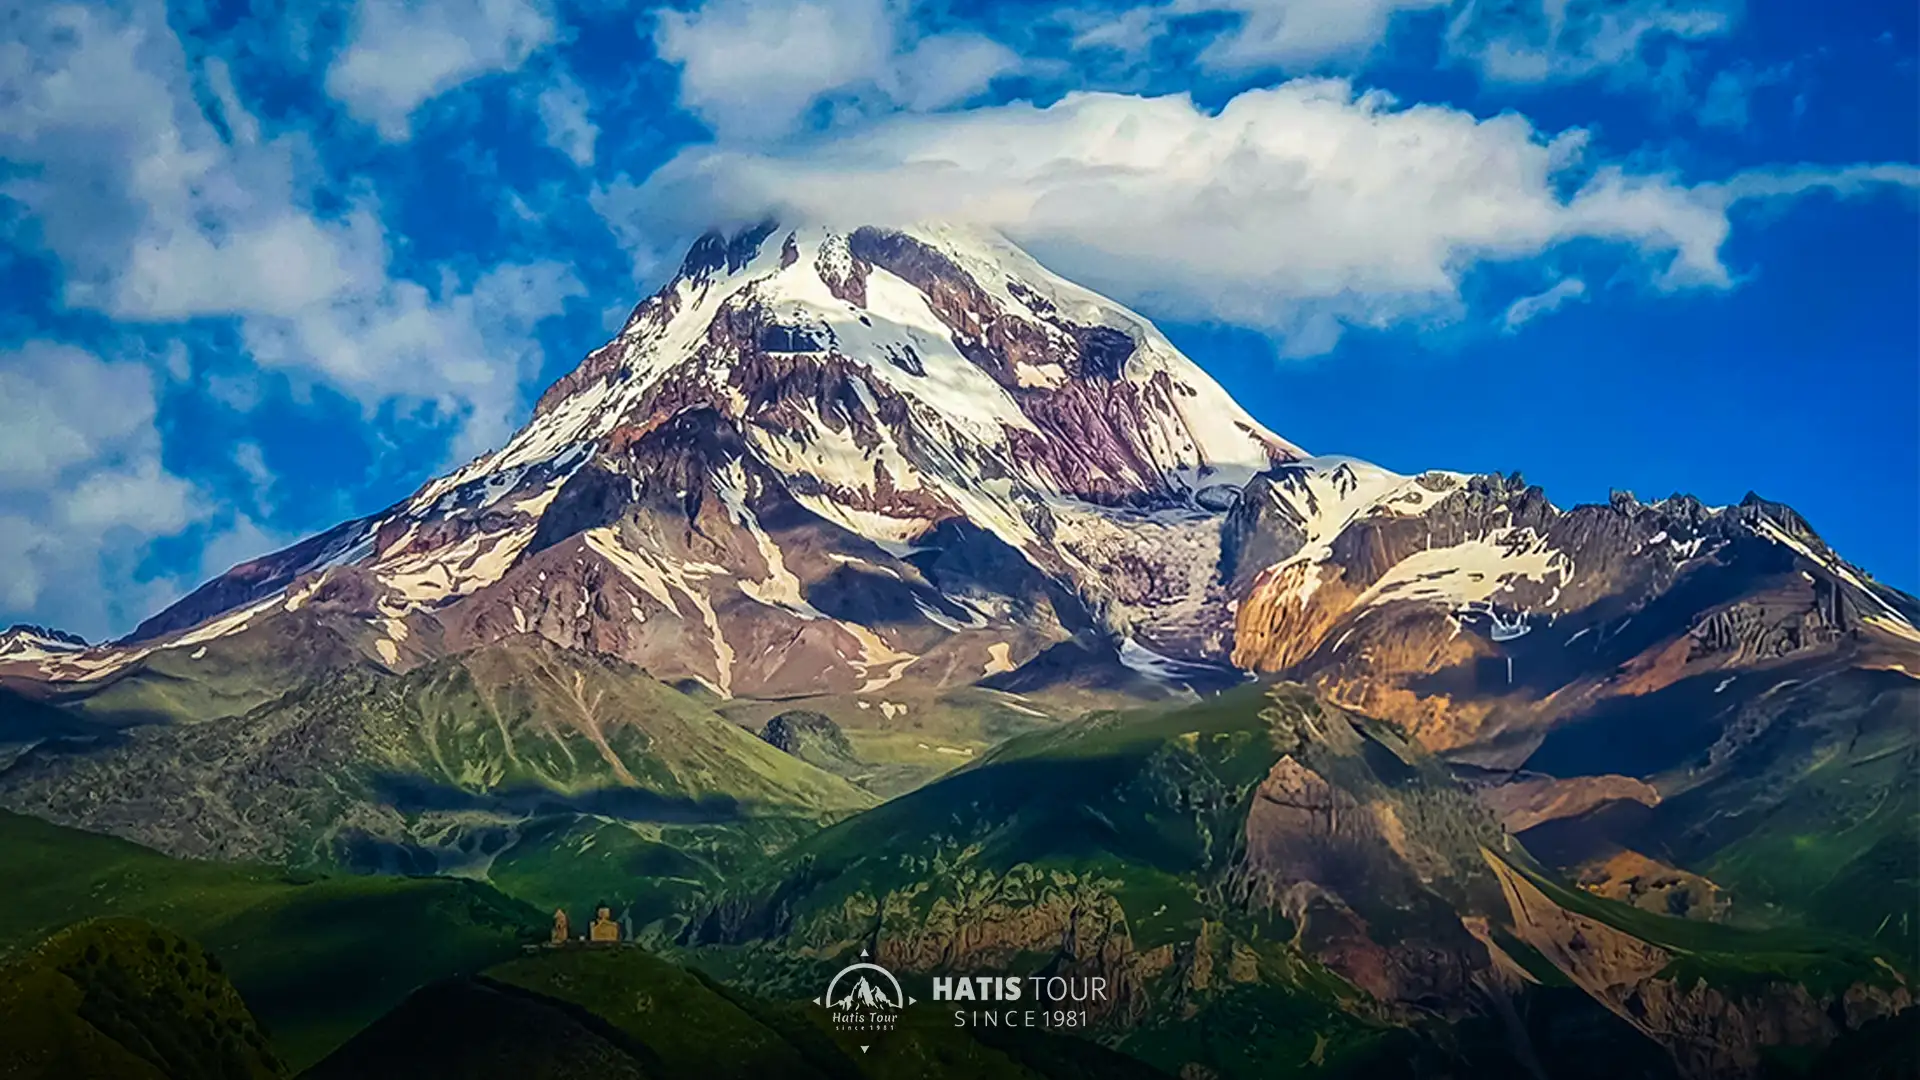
864, 995
426, 772
1642, 690
864, 552
21, 643
810, 736
811, 461
839, 463
868, 469
483, 1030
1304, 881
1401, 595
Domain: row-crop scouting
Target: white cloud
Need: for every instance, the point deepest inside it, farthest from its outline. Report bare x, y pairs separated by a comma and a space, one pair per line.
156, 217
947, 69
1297, 34
162, 206
401, 54
1298, 209
83, 490
153, 214
1528, 308
1249, 36
240, 121
754, 68
1130, 32
251, 460
63, 407
461, 357
1537, 41
141, 495
562, 106
1793, 181
757, 69
279, 263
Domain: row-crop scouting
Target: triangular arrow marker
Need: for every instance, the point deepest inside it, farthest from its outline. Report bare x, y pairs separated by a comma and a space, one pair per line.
863, 1049
820, 1001
912, 1000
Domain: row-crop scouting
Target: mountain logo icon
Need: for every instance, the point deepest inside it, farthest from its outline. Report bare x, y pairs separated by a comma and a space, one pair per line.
864, 997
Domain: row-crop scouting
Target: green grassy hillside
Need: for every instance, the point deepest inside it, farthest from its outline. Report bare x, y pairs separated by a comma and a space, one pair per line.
478, 1029
527, 714
1807, 813
427, 772
1823, 961
315, 957
1124, 835
122, 999
1270, 885
227, 676
1152, 805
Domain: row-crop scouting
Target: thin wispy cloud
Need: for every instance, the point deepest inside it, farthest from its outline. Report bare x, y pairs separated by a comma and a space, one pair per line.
1552, 299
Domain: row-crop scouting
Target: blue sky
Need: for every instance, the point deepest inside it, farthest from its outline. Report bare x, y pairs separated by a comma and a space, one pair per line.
267, 272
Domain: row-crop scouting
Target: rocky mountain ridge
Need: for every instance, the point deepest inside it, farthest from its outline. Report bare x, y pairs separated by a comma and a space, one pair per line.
24, 643
1402, 596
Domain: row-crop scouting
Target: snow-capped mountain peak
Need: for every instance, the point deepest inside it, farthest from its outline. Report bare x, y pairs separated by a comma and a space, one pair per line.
804, 411
956, 329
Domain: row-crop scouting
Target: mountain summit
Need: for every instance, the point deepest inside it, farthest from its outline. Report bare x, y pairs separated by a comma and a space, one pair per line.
813, 461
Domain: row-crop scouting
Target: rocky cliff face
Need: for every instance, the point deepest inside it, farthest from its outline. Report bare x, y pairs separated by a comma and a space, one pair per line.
1712, 1028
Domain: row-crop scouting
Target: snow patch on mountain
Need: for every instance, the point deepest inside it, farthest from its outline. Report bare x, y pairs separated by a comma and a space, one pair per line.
1475, 572
429, 578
